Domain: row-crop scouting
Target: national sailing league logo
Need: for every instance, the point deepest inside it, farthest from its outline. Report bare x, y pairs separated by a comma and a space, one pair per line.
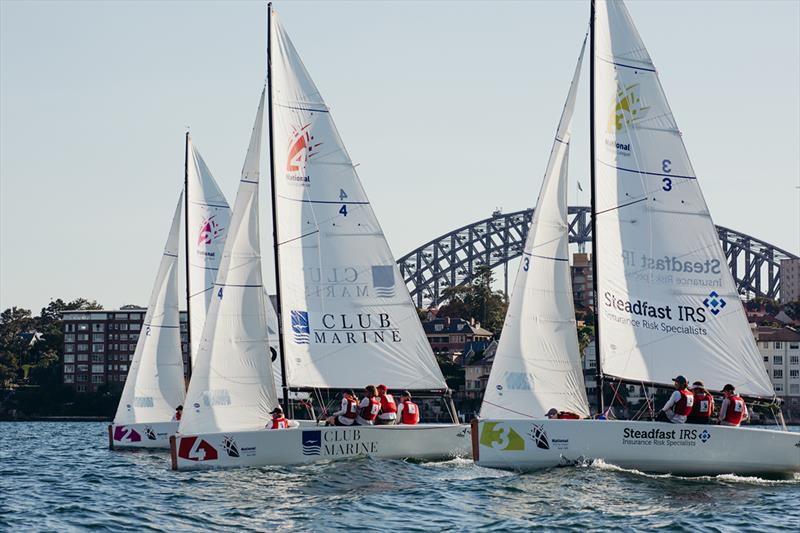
715, 303
301, 148
629, 109
383, 281
210, 230
300, 328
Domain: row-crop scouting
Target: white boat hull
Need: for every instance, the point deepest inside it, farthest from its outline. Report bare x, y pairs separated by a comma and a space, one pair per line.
309, 445
646, 446
153, 436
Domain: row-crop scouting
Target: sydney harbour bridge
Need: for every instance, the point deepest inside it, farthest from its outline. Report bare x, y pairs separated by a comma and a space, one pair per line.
453, 259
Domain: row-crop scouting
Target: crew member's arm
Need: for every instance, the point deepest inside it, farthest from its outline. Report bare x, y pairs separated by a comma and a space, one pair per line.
400, 408
676, 396
746, 414
723, 410
342, 409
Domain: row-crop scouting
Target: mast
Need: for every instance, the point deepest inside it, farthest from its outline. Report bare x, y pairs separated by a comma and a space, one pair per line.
186, 239
278, 310
595, 277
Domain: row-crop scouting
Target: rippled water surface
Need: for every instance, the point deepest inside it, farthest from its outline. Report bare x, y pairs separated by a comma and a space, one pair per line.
61, 476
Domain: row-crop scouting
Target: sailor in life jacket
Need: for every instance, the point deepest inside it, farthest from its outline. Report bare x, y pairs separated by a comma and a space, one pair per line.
369, 407
703, 405
388, 414
733, 411
281, 422
407, 411
555, 414
347, 413
679, 405
178, 413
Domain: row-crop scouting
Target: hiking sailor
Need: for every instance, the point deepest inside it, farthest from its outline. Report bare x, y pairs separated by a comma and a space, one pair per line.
733, 410
346, 415
281, 422
679, 404
703, 405
555, 414
369, 407
388, 413
407, 411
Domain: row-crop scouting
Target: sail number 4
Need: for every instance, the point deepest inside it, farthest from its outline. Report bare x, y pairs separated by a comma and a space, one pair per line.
343, 209
666, 166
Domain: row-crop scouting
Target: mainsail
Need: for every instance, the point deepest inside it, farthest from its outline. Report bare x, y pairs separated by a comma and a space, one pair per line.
667, 303
232, 387
154, 386
208, 220
537, 365
346, 313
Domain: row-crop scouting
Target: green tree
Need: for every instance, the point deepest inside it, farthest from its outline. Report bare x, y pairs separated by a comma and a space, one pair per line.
477, 300
14, 348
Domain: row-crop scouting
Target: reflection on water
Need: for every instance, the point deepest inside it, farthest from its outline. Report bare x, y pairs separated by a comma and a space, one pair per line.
56, 476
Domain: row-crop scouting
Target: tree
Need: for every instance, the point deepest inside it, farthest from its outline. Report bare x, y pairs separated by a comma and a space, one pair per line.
13, 347
477, 300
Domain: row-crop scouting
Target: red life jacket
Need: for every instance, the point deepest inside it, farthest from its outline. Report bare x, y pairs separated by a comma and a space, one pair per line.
280, 422
566, 415
178, 415
703, 405
388, 404
410, 413
352, 409
735, 411
684, 405
370, 412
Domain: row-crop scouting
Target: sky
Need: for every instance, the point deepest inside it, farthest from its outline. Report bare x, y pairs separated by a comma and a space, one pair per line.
449, 109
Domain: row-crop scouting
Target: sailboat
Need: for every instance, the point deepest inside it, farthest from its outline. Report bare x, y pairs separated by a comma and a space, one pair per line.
349, 318
666, 303
146, 413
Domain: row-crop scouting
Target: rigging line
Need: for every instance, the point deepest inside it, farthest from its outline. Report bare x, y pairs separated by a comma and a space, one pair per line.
298, 238
620, 206
337, 202
298, 108
659, 174
170, 255
545, 257
235, 285
201, 292
507, 409
223, 206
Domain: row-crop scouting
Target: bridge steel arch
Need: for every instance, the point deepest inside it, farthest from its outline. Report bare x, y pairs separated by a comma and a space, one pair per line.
453, 258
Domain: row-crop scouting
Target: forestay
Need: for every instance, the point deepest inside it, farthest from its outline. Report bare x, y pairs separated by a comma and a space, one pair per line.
232, 387
208, 220
154, 386
667, 301
538, 365
346, 313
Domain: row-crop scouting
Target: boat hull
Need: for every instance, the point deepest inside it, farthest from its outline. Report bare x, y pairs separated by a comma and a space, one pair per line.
309, 445
153, 436
646, 446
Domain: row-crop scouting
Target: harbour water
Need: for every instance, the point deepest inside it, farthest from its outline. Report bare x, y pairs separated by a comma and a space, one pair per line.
61, 477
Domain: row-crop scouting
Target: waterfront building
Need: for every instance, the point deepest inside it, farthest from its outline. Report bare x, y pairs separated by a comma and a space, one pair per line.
476, 371
448, 336
790, 280
582, 280
99, 345
780, 348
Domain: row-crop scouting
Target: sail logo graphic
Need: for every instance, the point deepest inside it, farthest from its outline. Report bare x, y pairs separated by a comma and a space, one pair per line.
539, 436
628, 110
150, 433
312, 442
197, 449
126, 434
301, 148
230, 446
714, 303
210, 230
300, 328
704, 436
499, 436
383, 281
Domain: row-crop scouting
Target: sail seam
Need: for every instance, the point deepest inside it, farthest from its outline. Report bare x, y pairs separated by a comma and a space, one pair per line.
626, 66
337, 202
301, 108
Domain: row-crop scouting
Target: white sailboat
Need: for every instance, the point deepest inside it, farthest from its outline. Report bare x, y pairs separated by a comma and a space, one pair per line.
667, 303
154, 386
340, 295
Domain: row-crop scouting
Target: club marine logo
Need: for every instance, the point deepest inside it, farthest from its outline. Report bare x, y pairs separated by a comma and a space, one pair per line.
197, 449
539, 436
714, 303
230, 446
312, 442
300, 328
301, 148
383, 281
629, 109
499, 436
210, 230
126, 434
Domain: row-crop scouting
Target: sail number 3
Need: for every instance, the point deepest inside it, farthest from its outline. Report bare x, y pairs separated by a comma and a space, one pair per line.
666, 166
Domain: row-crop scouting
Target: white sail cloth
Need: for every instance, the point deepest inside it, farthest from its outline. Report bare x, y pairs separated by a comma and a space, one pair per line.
668, 304
537, 365
346, 313
232, 386
154, 386
208, 219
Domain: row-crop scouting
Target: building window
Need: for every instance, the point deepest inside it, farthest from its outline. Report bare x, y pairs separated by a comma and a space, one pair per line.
83, 357
121, 316
98, 337
97, 378
136, 327
794, 389
777, 359
98, 327
69, 348
134, 336
765, 344
794, 346
69, 358
83, 347
97, 358
69, 369
123, 327
766, 359
83, 336
81, 388
98, 369
82, 377
98, 348
136, 316
777, 373
794, 374
69, 338
778, 345
69, 378
83, 327
123, 368
69, 328
132, 347
778, 388
794, 360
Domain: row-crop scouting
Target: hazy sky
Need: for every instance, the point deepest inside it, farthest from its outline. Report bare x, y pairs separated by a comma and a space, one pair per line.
448, 107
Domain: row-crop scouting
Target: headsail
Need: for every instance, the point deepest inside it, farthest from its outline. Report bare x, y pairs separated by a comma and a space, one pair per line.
346, 313
154, 386
538, 365
232, 387
668, 304
208, 221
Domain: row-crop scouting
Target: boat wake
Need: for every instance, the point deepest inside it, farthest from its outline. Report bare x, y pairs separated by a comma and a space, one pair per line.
599, 464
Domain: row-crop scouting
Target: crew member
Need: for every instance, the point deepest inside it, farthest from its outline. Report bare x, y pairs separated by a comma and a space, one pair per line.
407, 411
178, 413
369, 407
679, 404
347, 413
281, 422
555, 414
703, 405
733, 410
388, 414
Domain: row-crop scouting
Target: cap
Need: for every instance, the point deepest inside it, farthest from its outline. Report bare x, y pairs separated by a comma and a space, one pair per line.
277, 411
729, 387
698, 383
382, 387
406, 394
350, 392
552, 411
679, 379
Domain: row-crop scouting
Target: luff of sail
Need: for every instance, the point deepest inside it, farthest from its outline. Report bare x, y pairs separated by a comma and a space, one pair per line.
667, 303
154, 386
346, 313
232, 387
208, 220
537, 365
